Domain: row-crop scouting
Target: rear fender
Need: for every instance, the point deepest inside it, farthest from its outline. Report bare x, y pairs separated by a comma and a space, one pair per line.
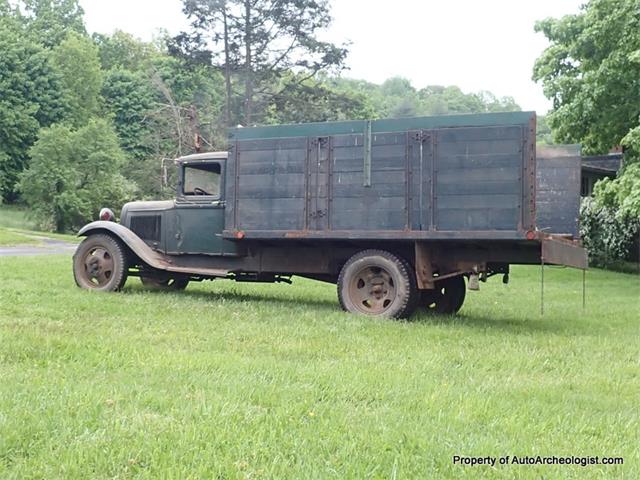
130, 239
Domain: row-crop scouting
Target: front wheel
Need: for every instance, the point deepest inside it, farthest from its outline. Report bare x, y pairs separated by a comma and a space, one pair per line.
100, 263
377, 283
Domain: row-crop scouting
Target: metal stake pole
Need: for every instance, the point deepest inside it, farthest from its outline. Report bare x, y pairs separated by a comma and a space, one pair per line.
541, 286
584, 288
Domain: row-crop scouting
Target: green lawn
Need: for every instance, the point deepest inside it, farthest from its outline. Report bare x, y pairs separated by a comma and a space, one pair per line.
11, 237
12, 216
231, 380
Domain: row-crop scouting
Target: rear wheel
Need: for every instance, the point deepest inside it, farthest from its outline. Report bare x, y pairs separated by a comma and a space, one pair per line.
447, 298
165, 283
100, 263
377, 283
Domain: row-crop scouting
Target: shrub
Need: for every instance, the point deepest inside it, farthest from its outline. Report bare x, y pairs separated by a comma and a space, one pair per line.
607, 233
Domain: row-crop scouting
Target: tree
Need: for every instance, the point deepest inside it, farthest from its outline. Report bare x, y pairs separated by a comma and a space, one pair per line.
315, 100
123, 51
73, 173
30, 98
591, 72
129, 97
50, 21
76, 60
259, 40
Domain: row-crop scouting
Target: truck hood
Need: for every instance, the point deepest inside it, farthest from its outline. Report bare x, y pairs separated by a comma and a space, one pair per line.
150, 206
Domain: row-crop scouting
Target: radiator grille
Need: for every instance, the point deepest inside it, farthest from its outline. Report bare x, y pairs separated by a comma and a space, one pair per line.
147, 227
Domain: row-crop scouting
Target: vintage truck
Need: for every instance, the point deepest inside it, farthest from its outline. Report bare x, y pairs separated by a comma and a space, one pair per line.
398, 213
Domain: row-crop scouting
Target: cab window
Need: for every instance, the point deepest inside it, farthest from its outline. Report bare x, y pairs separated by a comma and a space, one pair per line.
202, 180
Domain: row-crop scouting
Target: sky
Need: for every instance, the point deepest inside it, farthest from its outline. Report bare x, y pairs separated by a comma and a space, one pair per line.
474, 44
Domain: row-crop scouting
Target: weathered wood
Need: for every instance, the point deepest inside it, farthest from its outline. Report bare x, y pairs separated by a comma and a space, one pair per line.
459, 176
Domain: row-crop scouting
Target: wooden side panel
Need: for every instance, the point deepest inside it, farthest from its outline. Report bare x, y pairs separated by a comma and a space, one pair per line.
428, 179
478, 178
381, 205
270, 184
558, 189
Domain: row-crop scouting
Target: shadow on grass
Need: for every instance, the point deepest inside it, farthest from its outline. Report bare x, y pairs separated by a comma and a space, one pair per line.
240, 297
531, 324
465, 320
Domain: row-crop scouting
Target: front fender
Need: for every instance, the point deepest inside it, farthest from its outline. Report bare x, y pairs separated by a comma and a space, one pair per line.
130, 239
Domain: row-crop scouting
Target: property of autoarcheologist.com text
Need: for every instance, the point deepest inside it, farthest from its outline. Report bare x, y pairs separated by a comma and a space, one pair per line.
536, 460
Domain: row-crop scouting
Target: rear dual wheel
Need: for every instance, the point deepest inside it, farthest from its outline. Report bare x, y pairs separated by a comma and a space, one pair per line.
446, 298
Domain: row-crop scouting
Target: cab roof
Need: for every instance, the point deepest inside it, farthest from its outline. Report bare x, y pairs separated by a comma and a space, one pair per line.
201, 157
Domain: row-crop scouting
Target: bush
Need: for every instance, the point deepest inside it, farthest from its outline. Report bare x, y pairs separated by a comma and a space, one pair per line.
608, 234
73, 173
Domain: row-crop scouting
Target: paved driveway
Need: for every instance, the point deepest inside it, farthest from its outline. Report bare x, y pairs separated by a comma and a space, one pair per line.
48, 246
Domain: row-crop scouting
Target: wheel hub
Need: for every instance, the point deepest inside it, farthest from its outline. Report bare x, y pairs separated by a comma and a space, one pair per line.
372, 290
99, 266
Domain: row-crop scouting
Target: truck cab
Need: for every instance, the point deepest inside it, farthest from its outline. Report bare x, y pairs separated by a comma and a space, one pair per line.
194, 221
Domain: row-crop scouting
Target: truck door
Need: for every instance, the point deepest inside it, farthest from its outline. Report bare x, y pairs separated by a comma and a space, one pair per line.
318, 172
199, 213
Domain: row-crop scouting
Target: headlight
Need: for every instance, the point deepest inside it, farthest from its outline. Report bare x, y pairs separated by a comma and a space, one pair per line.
107, 215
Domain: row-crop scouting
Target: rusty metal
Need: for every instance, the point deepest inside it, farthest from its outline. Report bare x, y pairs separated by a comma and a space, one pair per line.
149, 256
98, 266
558, 251
423, 266
372, 290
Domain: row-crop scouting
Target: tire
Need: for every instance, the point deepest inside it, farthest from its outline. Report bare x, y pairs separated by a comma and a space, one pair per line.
165, 283
447, 298
377, 283
100, 264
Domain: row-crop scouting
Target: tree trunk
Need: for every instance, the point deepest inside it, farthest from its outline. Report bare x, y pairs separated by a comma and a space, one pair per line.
248, 82
227, 70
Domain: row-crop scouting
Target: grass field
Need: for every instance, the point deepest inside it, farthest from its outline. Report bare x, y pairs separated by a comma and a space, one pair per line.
12, 216
11, 237
233, 380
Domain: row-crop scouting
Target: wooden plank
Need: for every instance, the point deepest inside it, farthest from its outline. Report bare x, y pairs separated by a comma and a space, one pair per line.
294, 143
480, 147
469, 219
479, 188
474, 175
271, 213
454, 135
489, 160
488, 201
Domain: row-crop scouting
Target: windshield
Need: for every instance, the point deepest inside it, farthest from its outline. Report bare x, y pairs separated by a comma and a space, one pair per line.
202, 180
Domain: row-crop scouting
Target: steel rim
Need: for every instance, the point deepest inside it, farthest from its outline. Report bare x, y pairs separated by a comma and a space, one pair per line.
98, 267
372, 290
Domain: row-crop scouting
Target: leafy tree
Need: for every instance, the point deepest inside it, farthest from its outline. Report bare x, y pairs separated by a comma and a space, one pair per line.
315, 100
259, 40
73, 173
76, 60
591, 71
30, 98
396, 97
50, 21
123, 51
544, 135
129, 97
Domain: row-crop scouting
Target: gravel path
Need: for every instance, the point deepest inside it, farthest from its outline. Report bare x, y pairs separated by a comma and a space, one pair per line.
48, 246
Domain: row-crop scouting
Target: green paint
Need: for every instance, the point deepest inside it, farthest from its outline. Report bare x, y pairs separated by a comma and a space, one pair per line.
379, 126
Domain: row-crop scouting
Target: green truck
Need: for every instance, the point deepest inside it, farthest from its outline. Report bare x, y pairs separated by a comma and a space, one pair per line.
400, 214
